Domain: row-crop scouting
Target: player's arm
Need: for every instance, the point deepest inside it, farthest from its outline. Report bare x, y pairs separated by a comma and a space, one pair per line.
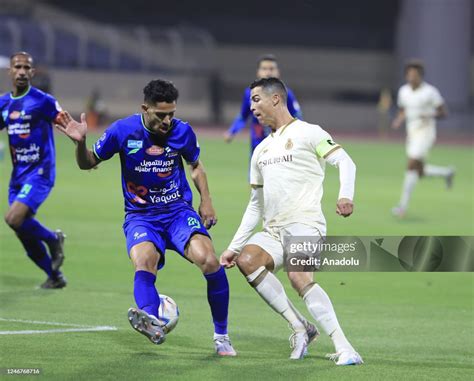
240, 120
441, 112
250, 219
335, 155
206, 210
293, 106
399, 119
86, 159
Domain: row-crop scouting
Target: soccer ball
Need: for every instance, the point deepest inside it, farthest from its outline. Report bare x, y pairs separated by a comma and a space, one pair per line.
168, 313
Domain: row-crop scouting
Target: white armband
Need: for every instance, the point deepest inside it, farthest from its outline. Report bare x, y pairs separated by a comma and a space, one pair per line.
347, 171
250, 219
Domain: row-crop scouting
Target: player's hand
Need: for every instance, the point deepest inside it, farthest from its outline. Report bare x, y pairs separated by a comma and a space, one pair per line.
70, 127
344, 207
208, 214
227, 259
228, 137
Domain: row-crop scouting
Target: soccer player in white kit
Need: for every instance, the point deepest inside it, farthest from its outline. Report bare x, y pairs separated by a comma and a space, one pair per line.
287, 173
420, 104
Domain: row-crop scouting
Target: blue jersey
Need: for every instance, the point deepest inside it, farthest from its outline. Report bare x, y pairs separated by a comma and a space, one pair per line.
29, 122
257, 131
153, 175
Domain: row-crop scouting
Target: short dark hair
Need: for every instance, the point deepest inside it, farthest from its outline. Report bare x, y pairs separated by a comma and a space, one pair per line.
21, 54
415, 64
160, 90
266, 57
271, 85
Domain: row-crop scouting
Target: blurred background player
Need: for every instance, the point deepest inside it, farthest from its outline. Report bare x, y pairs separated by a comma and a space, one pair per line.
420, 104
158, 203
286, 175
267, 66
28, 114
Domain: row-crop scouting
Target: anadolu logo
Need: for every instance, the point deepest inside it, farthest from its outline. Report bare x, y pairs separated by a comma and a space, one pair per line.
155, 150
289, 144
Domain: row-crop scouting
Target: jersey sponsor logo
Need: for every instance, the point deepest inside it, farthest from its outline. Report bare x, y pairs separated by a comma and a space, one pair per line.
14, 115
166, 198
155, 150
194, 223
289, 144
163, 168
164, 174
20, 129
170, 188
135, 144
275, 160
29, 154
137, 192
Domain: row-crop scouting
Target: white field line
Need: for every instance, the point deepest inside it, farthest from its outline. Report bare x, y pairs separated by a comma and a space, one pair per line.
77, 327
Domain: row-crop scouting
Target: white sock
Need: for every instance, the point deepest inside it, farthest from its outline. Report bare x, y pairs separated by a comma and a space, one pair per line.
320, 307
411, 178
435, 170
297, 313
271, 290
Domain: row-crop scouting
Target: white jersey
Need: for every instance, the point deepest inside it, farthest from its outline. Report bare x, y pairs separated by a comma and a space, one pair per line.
289, 165
420, 107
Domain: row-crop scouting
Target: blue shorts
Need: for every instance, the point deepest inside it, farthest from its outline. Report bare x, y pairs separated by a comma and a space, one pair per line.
166, 230
32, 193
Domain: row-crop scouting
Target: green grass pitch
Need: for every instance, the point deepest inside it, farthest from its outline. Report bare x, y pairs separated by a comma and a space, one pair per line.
405, 325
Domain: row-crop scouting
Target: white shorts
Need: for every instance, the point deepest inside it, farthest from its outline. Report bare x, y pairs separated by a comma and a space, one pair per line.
419, 143
271, 240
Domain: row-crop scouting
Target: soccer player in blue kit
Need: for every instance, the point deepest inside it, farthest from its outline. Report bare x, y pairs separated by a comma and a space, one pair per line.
267, 66
158, 203
28, 115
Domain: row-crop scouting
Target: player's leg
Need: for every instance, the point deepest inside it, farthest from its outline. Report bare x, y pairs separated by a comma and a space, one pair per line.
447, 173
320, 307
429, 170
187, 235
145, 258
256, 264
413, 173
24, 203
201, 252
17, 218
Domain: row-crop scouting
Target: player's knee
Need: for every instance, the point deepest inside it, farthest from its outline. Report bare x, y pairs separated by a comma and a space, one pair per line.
246, 263
206, 261
13, 220
146, 261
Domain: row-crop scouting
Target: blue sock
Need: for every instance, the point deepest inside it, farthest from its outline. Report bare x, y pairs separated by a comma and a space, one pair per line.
218, 298
33, 228
36, 250
146, 295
